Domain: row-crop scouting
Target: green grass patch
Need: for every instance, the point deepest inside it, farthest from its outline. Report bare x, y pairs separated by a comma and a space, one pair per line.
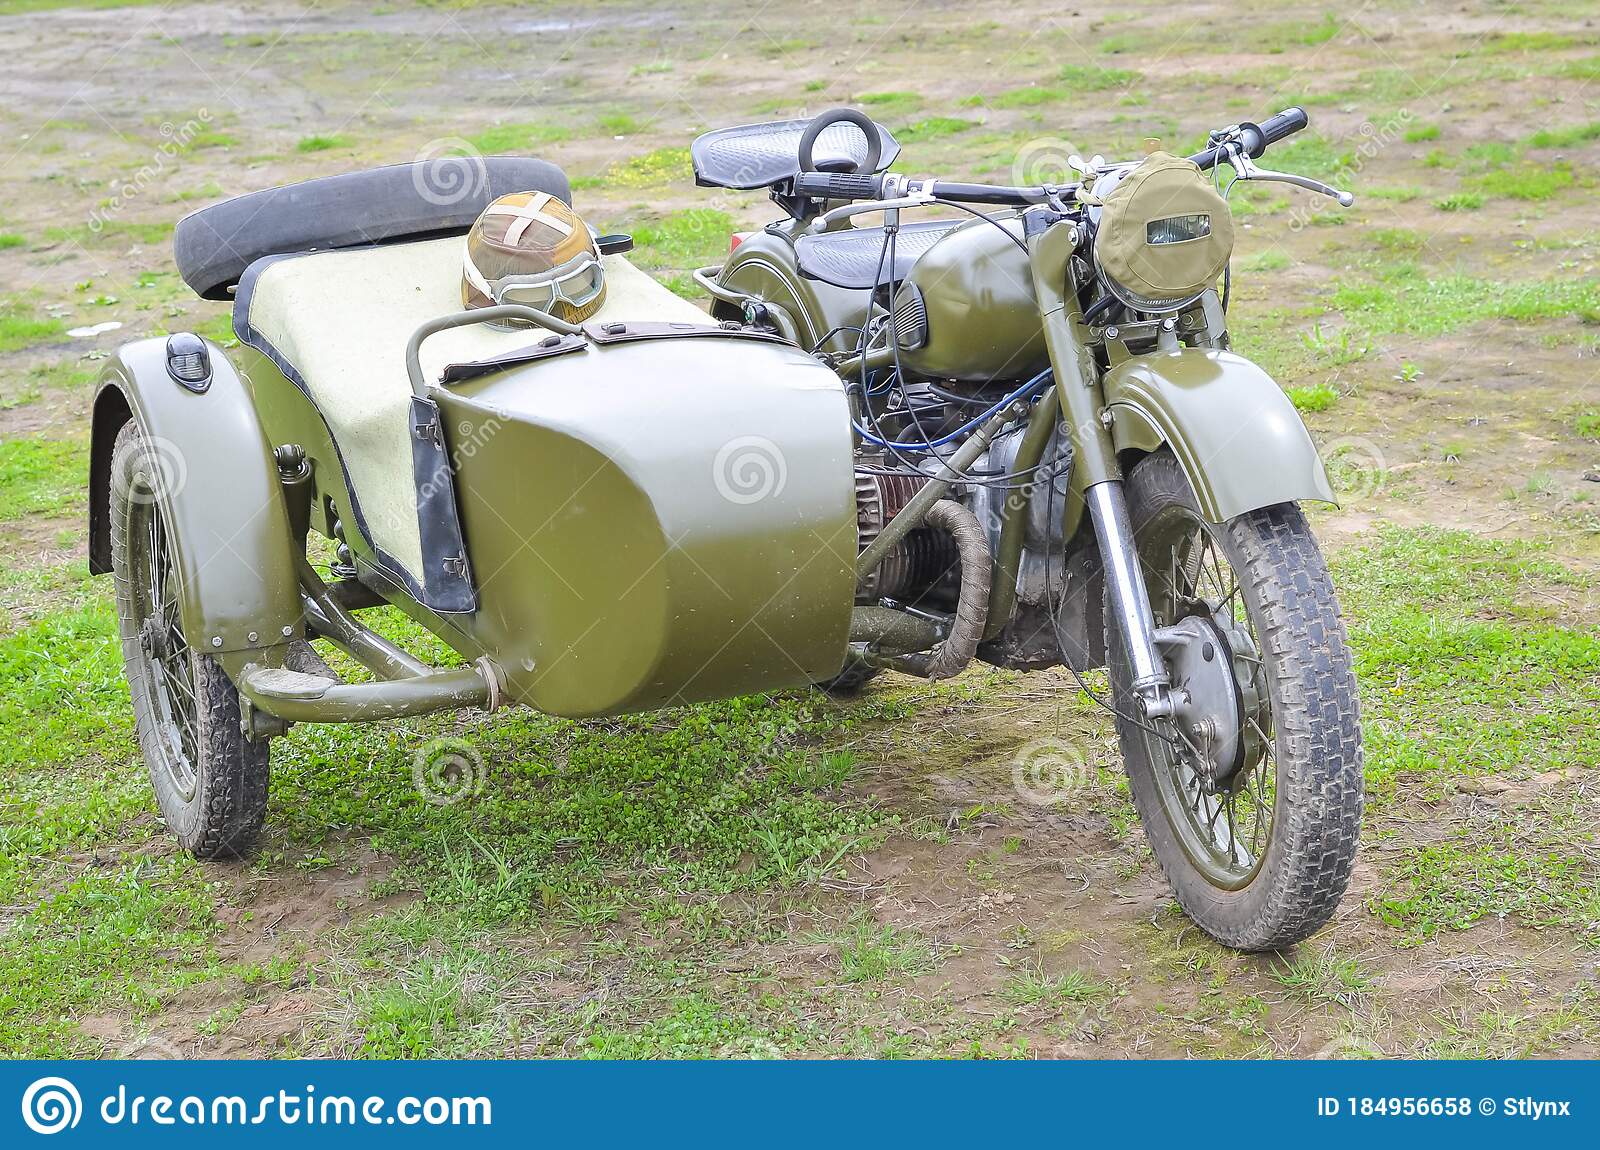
1271, 260
675, 245
1527, 181
617, 124
321, 143
1422, 132
141, 233
1030, 97
517, 137
1567, 137
651, 170
1467, 663
1405, 300
41, 476
1459, 202
200, 141
1315, 397
933, 128
890, 104
1089, 78
1036, 989
21, 326
12, 240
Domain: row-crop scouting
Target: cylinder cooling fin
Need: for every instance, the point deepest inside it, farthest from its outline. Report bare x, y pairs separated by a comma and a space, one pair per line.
917, 562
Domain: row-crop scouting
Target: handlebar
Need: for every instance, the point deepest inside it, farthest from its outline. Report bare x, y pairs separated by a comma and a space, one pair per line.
1252, 138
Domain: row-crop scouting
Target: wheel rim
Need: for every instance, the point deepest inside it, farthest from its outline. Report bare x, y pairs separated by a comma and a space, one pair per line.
166, 665
1223, 821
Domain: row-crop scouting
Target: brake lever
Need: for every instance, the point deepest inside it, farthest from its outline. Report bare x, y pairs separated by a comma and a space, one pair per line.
1245, 168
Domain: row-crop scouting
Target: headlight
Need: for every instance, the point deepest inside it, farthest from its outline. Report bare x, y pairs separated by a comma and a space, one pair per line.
1164, 234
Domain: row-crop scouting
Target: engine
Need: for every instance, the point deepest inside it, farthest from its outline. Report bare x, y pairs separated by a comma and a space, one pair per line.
921, 566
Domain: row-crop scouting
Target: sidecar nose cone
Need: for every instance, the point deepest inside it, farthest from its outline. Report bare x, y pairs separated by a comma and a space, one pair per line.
188, 361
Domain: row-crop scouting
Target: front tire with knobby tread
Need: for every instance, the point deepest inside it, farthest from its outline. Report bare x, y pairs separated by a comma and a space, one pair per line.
1288, 596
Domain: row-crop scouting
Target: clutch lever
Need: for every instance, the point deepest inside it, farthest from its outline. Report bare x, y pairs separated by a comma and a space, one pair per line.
1246, 169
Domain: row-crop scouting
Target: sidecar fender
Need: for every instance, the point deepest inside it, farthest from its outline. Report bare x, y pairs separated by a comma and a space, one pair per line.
1238, 438
223, 500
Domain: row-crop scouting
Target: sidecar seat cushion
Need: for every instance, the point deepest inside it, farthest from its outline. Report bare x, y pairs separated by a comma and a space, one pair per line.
336, 323
443, 196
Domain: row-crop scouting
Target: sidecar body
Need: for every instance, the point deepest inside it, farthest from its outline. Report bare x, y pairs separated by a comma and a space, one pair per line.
656, 510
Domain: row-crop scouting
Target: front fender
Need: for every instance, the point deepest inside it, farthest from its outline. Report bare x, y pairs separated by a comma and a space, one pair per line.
226, 512
1240, 441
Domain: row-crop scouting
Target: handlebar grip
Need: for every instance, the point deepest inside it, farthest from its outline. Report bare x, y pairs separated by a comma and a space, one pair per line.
1256, 137
839, 185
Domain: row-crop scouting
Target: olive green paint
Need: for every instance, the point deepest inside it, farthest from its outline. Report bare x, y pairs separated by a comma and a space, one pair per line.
1239, 439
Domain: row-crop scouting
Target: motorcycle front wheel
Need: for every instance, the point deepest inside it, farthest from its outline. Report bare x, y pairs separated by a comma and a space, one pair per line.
1257, 838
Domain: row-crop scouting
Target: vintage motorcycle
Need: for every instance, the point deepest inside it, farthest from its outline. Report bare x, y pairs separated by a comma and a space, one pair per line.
900, 447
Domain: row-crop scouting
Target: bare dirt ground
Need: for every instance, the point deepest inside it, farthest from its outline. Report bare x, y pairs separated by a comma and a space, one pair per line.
981, 915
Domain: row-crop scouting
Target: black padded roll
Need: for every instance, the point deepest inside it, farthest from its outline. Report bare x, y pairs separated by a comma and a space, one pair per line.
424, 198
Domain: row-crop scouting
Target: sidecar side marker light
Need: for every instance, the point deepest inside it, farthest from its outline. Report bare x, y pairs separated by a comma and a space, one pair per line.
188, 361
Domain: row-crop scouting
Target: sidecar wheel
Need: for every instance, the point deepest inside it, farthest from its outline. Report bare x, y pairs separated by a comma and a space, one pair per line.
210, 781
850, 682
1259, 847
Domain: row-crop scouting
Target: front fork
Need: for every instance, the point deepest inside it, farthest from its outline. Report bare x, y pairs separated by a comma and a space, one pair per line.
1097, 477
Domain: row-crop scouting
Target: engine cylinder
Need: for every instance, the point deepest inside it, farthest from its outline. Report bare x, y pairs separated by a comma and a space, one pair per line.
915, 564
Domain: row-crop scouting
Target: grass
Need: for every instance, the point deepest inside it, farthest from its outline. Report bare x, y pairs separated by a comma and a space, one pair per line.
1321, 976
503, 138
12, 240
675, 245
1406, 300
1091, 78
1034, 988
40, 476
653, 169
1031, 96
933, 128
1450, 629
1459, 202
1421, 132
872, 953
1530, 182
1567, 137
21, 326
307, 144
1315, 397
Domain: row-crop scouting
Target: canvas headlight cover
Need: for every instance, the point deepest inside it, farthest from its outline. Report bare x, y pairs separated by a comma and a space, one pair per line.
1165, 235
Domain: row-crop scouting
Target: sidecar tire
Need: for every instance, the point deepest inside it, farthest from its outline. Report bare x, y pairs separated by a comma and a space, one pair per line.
1316, 730
850, 682
223, 812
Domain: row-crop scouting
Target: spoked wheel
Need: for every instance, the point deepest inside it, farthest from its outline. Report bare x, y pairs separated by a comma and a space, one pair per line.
210, 781
1251, 795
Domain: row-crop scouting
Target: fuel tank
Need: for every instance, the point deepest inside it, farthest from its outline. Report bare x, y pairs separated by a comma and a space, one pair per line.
975, 289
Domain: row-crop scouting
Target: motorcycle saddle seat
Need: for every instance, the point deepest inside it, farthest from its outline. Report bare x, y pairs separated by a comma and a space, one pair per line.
760, 155
856, 257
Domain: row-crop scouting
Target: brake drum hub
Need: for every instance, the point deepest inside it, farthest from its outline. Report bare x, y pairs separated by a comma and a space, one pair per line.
1218, 700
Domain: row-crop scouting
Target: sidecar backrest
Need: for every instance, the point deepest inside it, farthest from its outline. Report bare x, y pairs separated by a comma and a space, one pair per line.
437, 197
760, 155
336, 324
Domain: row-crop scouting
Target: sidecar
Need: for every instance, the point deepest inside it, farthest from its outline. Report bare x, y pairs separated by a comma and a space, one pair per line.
655, 509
